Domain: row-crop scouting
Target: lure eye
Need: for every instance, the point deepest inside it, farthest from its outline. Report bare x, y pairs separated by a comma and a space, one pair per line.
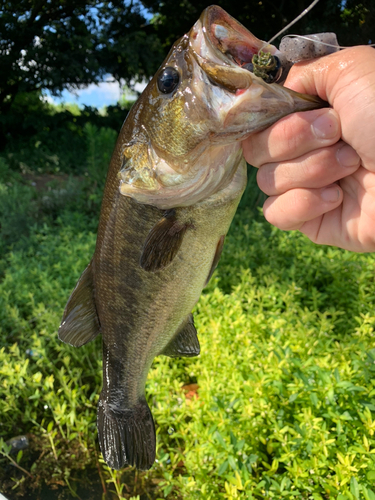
266, 66
168, 80
275, 74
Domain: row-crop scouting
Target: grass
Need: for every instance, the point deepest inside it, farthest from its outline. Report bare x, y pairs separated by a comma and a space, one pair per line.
280, 403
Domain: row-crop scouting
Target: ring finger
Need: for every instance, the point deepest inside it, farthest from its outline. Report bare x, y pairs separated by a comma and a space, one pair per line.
314, 170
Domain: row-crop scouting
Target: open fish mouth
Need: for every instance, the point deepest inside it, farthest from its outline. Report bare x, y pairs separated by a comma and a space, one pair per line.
228, 37
225, 49
231, 56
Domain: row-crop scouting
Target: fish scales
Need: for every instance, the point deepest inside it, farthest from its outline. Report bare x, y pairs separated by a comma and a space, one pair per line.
174, 182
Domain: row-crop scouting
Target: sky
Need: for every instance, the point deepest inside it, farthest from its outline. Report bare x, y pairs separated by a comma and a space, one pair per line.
103, 94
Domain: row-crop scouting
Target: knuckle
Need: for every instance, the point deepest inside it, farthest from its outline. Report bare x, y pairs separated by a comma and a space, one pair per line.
266, 180
287, 136
252, 151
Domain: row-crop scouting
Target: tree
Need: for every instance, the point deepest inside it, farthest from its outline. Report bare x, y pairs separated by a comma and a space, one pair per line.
353, 22
57, 44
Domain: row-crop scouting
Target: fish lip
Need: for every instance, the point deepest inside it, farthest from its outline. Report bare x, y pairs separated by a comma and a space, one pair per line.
233, 46
230, 38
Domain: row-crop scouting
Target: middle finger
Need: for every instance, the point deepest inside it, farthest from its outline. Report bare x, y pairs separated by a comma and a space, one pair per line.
314, 170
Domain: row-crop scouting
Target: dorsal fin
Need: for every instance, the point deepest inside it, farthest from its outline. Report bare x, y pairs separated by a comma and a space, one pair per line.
185, 344
163, 242
80, 322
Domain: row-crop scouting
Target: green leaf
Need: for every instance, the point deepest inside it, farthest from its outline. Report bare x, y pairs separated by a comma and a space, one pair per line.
354, 488
212, 429
365, 492
167, 490
240, 445
233, 439
223, 467
346, 416
314, 398
220, 439
232, 463
19, 456
293, 397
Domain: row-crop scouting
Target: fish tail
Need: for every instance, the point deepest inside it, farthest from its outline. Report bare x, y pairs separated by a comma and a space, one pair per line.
126, 436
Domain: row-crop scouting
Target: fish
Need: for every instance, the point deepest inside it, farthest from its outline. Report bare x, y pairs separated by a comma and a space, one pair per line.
173, 185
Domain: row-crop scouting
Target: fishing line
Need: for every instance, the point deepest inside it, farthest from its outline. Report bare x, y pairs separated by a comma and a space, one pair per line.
308, 37
303, 13
266, 66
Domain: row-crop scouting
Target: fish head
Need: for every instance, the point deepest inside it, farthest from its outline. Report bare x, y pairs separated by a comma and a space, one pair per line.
204, 99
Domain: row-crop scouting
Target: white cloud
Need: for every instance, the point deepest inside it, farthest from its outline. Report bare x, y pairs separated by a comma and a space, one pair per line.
103, 94
107, 90
47, 98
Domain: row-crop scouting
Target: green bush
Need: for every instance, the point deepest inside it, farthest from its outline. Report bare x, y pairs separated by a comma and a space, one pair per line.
284, 394
72, 198
279, 404
39, 137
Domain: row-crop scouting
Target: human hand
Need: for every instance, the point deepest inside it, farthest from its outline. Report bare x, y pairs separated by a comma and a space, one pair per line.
318, 167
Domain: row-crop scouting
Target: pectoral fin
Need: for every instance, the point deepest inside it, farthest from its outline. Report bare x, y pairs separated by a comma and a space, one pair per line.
163, 242
80, 322
216, 259
185, 344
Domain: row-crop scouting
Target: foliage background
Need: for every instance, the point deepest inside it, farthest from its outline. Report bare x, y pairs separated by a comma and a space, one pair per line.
280, 404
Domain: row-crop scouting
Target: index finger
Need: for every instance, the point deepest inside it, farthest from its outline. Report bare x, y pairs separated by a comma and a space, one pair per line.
293, 136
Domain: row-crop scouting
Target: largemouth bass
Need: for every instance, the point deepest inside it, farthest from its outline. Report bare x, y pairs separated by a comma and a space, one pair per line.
175, 179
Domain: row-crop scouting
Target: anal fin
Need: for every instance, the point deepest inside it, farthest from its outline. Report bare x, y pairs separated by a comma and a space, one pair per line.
80, 322
185, 344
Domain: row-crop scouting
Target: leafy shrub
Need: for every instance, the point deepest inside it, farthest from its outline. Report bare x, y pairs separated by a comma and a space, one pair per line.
39, 137
22, 205
280, 403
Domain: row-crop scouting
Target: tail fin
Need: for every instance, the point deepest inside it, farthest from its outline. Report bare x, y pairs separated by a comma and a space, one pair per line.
127, 436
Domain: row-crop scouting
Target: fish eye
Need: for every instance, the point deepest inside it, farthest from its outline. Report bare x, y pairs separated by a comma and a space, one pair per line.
168, 80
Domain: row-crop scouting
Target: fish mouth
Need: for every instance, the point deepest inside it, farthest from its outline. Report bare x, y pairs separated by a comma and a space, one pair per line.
230, 38
224, 49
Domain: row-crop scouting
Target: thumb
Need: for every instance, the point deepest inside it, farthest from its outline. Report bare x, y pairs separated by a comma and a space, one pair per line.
329, 75
346, 79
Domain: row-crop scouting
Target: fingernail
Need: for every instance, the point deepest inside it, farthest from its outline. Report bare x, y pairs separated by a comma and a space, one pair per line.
331, 194
326, 126
347, 156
